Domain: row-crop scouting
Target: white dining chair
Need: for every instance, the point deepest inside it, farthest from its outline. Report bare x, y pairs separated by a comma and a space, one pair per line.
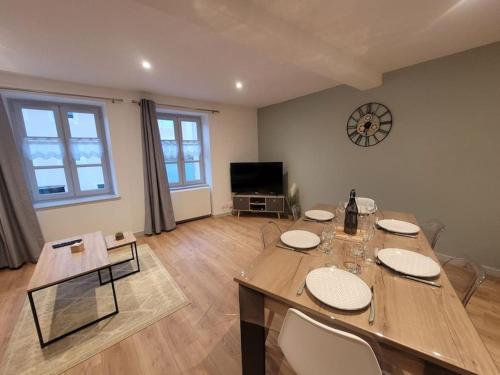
433, 229
312, 348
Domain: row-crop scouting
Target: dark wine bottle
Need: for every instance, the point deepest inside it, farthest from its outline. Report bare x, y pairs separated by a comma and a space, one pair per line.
351, 215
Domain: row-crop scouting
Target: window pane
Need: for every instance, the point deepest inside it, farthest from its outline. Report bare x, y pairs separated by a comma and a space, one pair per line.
82, 125
170, 150
172, 173
189, 131
86, 151
192, 151
44, 153
192, 171
91, 178
167, 130
39, 122
51, 181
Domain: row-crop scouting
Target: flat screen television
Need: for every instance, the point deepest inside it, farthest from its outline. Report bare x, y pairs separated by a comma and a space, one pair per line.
257, 178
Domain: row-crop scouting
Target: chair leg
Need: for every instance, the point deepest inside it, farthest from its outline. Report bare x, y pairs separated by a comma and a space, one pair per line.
270, 318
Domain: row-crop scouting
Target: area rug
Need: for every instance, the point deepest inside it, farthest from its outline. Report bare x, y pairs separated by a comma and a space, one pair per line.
143, 298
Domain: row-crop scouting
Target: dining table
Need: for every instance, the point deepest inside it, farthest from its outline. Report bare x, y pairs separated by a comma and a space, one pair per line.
423, 322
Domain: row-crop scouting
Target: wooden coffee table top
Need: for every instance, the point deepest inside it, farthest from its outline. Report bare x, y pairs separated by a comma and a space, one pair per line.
112, 243
58, 265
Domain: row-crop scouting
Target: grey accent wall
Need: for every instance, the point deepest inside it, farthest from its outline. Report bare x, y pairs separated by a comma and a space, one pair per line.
441, 159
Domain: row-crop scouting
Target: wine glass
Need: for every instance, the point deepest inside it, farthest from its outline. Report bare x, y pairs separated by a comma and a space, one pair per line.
327, 237
353, 253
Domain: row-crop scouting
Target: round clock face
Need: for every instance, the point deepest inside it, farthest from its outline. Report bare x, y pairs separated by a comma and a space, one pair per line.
369, 124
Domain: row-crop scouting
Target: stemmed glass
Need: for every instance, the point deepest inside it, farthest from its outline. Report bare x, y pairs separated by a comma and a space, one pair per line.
327, 237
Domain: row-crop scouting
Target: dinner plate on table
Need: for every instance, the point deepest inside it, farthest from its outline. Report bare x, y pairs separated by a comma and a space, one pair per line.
338, 288
300, 239
398, 226
409, 262
366, 206
319, 215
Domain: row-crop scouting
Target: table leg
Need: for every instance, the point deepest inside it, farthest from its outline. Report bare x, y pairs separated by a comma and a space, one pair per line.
35, 318
252, 327
137, 257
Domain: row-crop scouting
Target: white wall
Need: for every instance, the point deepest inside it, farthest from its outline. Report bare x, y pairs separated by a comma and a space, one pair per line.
233, 137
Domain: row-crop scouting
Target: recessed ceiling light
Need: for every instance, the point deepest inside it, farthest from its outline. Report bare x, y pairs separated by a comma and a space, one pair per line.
239, 85
146, 64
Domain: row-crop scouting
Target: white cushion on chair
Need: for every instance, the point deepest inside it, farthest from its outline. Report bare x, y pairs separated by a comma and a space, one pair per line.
313, 348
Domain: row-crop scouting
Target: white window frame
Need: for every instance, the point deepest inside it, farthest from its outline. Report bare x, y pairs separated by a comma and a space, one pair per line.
177, 119
60, 110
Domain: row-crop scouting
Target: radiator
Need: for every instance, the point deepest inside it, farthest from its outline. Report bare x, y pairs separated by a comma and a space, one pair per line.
191, 203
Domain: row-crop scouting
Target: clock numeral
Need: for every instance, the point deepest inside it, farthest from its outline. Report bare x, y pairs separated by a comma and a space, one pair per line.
358, 140
352, 127
376, 138
386, 122
383, 131
367, 141
351, 135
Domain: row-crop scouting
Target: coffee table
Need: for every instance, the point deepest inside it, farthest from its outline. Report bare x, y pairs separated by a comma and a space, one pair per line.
56, 266
128, 240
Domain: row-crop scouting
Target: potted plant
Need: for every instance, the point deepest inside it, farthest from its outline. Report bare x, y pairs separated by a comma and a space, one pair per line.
293, 201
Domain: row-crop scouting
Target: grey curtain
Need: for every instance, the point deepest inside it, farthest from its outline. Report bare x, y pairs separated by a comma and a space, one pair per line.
159, 211
21, 238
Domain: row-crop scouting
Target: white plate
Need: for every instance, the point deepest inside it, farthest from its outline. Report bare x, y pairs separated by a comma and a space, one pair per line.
366, 206
338, 288
409, 262
398, 226
300, 239
319, 215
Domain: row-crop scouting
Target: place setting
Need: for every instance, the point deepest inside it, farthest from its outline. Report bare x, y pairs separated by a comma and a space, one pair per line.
410, 265
298, 240
319, 216
398, 227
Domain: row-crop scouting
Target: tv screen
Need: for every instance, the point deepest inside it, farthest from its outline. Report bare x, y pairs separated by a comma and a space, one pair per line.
257, 178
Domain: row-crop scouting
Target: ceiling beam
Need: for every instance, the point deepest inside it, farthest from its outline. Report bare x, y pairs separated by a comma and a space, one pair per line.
246, 23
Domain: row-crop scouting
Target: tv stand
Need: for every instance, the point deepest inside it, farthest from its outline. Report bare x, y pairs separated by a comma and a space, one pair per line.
259, 203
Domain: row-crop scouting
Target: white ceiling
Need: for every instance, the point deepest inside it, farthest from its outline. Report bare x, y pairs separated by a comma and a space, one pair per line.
279, 49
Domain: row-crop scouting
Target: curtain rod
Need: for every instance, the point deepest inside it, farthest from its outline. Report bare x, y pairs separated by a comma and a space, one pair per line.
182, 107
113, 100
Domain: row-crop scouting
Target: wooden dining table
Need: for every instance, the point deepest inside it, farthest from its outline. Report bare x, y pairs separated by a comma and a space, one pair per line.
424, 322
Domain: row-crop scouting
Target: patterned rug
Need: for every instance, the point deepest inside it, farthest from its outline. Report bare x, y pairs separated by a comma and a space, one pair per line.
143, 298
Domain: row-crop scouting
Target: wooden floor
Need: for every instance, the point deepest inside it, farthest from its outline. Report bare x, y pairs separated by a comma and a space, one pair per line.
203, 338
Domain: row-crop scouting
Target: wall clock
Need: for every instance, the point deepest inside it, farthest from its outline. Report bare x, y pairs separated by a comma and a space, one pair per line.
369, 124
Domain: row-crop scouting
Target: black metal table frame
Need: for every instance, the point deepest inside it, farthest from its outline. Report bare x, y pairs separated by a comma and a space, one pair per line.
35, 315
133, 246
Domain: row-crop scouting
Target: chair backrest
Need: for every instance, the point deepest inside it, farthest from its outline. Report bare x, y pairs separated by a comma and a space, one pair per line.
432, 230
271, 233
465, 276
313, 348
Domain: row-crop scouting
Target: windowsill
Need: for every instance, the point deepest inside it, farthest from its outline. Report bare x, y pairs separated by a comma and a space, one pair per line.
190, 187
73, 202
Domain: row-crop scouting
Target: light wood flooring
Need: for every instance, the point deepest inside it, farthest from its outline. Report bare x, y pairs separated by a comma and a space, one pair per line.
203, 338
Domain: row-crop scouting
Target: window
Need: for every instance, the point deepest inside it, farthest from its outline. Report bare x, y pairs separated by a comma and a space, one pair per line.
64, 149
182, 146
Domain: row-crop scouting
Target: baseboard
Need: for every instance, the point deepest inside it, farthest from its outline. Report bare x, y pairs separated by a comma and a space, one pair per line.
222, 214
490, 271
192, 219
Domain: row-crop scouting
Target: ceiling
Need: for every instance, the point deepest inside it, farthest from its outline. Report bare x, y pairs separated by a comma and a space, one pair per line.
278, 49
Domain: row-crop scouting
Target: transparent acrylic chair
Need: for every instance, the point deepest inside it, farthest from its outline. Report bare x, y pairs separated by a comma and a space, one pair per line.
465, 276
271, 233
433, 229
